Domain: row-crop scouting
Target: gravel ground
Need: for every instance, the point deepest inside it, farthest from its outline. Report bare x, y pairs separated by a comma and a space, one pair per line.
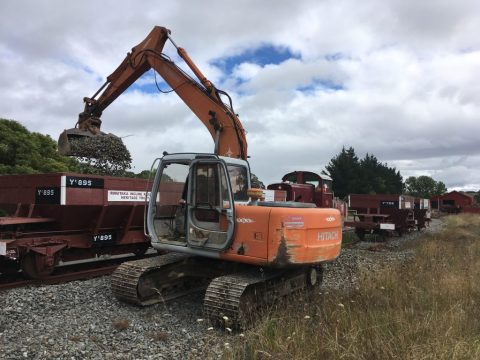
82, 320
343, 273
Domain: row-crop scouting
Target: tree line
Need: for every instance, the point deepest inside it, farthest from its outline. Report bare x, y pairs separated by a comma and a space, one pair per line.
352, 175
25, 152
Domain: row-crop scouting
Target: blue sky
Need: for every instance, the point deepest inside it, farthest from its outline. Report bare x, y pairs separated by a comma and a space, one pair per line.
263, 55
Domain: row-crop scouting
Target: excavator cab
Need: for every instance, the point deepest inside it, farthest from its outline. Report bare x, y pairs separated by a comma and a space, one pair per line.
192, 202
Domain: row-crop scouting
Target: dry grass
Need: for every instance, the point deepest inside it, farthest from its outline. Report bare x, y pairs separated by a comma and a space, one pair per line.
425, 309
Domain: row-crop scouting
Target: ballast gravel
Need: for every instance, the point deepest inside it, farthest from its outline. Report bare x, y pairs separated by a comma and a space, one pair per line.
83, 320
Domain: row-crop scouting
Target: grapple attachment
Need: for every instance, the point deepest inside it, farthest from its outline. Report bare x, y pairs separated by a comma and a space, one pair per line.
100, 153
73, 136
81, 143
75, 140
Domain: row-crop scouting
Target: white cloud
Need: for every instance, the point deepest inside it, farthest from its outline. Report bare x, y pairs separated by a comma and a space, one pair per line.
409, 76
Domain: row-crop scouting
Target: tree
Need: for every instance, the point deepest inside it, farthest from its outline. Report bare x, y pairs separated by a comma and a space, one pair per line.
366, 176
256, 183
378, 178
424, 187
344, 169
146, 174
25, 152
477, 197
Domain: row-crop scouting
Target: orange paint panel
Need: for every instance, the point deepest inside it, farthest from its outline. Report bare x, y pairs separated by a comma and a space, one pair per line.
304, 236
251, 235
285, 236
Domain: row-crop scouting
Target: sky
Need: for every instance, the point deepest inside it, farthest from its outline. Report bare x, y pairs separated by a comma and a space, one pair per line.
399, 79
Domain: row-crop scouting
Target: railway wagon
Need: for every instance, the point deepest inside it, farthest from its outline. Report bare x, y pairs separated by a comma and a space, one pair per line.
381, 214
48, 218
309, 187
422, 213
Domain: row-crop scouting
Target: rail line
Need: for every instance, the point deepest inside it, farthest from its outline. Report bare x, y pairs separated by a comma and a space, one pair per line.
66, 273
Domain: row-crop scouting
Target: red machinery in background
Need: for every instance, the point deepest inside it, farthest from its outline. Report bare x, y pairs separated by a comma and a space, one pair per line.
309, 187
384, 214
67, 216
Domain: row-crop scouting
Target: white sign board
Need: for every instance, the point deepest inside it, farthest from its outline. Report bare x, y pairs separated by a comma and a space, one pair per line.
127, 195
3, 248
269, 195
385, 226
426, 204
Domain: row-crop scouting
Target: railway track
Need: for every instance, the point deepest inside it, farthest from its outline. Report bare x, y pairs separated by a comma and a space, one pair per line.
66, 273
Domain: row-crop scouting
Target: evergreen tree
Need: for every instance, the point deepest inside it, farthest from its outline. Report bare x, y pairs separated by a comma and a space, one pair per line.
366, 176
378, 178
344, 169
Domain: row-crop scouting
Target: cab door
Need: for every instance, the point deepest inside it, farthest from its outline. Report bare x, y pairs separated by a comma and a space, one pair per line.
210, 207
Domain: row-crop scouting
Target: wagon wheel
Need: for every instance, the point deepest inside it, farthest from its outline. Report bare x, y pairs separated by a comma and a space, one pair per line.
32, 269
9, 267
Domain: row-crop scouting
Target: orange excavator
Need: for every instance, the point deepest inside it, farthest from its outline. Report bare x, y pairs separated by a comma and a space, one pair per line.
217, 232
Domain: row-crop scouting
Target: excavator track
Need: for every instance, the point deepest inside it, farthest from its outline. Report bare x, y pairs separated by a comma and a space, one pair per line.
131, 281
233, 300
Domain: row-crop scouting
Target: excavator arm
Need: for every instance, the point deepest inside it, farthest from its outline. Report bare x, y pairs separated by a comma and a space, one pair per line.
202, 97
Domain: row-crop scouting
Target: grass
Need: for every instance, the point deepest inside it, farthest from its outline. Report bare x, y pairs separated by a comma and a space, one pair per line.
427, 308
349, 237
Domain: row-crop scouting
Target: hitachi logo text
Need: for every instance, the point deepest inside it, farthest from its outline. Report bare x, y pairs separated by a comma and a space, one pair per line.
327, 235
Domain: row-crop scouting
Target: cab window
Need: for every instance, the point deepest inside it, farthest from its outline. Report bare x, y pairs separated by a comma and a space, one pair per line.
207, 185
239, 182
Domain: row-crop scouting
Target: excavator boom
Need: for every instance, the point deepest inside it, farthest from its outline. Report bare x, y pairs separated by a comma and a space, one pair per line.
202, 97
